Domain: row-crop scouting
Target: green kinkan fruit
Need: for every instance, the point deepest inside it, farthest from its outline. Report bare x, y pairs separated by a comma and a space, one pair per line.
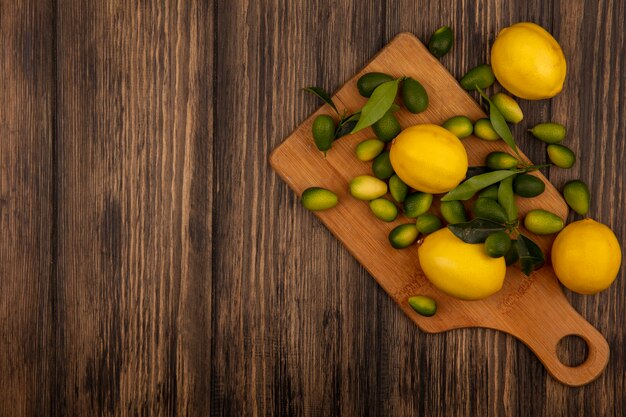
561, 156
460, 126
384, 209
366, 187
528, 186
512, 255
453, 212
423, 305
414, 95
382, 166
549, 132
508, 107
368, 82
369, 149
417, 204
317, 198
484, 130
427, 223
398, 188
542, 222
486, 208
490, 192
501, 160
480, 76
577, 196
441, 41
497, 244
403, 236
323, 132
387, 127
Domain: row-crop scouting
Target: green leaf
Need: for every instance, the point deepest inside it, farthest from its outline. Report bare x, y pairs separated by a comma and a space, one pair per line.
347, 124
531, 257
378, 104
323, 94
353, 118
468, 188
475, 231
507, 199
499, 123
345, 128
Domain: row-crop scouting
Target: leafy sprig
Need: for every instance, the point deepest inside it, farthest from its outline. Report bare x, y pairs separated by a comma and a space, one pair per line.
471, 186
499, 123
476, 230
531, 257
347, 121
323, 94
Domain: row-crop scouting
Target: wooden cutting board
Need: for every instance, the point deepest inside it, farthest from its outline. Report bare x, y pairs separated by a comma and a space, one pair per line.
533, 309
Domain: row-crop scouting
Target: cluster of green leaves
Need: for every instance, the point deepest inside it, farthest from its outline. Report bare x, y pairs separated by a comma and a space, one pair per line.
530, 256
528, 253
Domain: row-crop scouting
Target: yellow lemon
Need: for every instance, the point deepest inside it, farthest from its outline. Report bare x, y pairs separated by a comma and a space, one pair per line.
429, 158
528, 61
586, 256
460, 269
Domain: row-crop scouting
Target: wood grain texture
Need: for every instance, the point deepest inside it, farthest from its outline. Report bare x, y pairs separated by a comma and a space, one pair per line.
594, 106
26, 136
134, 206
156, 265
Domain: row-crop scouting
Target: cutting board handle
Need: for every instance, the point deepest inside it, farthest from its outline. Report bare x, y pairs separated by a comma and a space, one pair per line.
551, 324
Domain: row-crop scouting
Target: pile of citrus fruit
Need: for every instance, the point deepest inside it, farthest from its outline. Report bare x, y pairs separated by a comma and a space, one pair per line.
424, 170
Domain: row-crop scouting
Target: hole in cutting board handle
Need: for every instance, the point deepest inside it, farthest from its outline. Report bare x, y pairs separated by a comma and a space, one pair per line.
572, 350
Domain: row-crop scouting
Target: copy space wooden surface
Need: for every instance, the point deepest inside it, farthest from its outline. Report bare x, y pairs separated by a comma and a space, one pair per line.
151, 263
533, 309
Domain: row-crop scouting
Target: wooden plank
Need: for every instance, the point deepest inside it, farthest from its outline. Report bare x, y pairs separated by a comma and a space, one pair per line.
593, 107
284, 343
135, 187
26, 207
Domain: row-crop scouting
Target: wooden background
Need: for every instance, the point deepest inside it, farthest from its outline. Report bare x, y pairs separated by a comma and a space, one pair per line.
151, 263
